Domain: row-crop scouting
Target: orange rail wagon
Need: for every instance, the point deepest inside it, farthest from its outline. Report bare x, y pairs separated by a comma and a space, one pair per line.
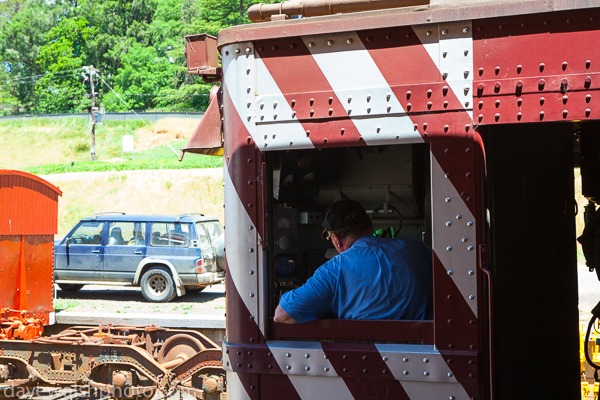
28, 223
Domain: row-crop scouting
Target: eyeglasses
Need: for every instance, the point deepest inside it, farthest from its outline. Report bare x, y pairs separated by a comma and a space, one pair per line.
328, 237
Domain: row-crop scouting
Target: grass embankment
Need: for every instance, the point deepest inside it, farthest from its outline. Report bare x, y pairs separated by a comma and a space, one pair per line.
139, 192
47, 146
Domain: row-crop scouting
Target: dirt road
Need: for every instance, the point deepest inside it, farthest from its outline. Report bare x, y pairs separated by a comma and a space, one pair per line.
129, 300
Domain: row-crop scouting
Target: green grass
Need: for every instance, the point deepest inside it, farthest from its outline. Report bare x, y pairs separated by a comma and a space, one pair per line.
66, 304
53, 146
26, 143
189, 162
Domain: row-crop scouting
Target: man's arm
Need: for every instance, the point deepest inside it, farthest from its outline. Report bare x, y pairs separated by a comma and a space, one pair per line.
282, 316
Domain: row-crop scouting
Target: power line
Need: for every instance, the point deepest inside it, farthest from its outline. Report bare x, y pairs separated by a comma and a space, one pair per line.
41, 75
160, 94
32, 81
124, 102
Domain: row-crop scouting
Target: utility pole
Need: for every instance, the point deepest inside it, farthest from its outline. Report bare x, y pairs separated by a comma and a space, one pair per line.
93, 131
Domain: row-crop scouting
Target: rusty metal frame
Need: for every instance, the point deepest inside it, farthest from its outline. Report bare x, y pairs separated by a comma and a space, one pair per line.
390, 18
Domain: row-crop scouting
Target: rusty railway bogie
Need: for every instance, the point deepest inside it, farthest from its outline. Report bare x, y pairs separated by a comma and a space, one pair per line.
123, 362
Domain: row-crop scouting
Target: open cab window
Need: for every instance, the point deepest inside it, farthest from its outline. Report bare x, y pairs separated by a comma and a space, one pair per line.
392, 183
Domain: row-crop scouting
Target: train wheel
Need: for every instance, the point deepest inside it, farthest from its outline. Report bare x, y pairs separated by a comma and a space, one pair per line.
157, 285
179, 348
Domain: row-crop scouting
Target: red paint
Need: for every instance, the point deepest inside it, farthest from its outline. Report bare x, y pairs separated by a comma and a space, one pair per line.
308, 93
28, 222
363, 370
207, 138
243, 160
381, 330
449, 304
29, 204
545, 57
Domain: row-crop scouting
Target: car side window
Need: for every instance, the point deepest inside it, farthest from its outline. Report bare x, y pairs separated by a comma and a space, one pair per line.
89, 233
202, 234
214, 230
126, 233
170, 234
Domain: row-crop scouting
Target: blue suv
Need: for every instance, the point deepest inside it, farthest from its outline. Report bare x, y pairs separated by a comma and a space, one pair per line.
166, 255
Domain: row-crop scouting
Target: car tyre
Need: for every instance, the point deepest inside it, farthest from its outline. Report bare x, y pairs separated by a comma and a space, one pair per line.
157, 285
67, 287
194, 290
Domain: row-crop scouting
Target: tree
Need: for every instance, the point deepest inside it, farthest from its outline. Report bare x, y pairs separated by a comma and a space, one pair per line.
62, 59
136, 46
22, 32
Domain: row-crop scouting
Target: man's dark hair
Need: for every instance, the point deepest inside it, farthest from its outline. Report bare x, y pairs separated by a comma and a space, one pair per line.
346, 218
354, 230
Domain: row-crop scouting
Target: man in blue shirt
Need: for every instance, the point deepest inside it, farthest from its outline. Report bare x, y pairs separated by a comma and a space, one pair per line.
371, 278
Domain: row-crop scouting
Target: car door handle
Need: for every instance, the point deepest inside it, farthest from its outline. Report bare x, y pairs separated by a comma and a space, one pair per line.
137, 252
95, 251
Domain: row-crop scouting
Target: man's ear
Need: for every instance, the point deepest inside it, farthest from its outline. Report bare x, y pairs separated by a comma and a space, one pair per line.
336, 239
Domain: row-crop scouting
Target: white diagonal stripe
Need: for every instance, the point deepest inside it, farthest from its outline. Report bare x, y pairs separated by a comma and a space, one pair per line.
434, 390
317, 387
293, 358
454, 243
361, 88
238, 242
276, 125
235, 388
413, 362
238, 77
456, 59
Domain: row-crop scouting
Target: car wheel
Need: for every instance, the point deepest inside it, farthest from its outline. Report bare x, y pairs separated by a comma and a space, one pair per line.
67, 287
157, 285
194, 290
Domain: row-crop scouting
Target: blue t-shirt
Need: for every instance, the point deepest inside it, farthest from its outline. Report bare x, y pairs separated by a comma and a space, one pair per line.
374, 279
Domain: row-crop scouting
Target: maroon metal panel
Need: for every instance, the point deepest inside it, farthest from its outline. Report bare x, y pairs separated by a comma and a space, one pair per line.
379, 331
201, 53
243, 160
28, 204
537, 68
207, 138
384, 19
363, 389
456, 326
357, 360
277, 387
241, 327
309, 94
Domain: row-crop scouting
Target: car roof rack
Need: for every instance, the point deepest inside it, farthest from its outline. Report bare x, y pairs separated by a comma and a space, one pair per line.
187, 215
95, 215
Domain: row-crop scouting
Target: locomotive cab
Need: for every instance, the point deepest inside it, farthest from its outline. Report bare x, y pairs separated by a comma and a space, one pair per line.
455, 126
391, 182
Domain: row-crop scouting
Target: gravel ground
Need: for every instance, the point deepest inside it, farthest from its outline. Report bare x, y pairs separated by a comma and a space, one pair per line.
129, 300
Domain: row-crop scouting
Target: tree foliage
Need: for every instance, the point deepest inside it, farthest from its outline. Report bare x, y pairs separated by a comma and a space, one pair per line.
135, 45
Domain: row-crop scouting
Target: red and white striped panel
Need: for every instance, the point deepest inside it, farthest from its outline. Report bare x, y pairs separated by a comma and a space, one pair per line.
319, 370
351, 81
356, 82
387, 86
